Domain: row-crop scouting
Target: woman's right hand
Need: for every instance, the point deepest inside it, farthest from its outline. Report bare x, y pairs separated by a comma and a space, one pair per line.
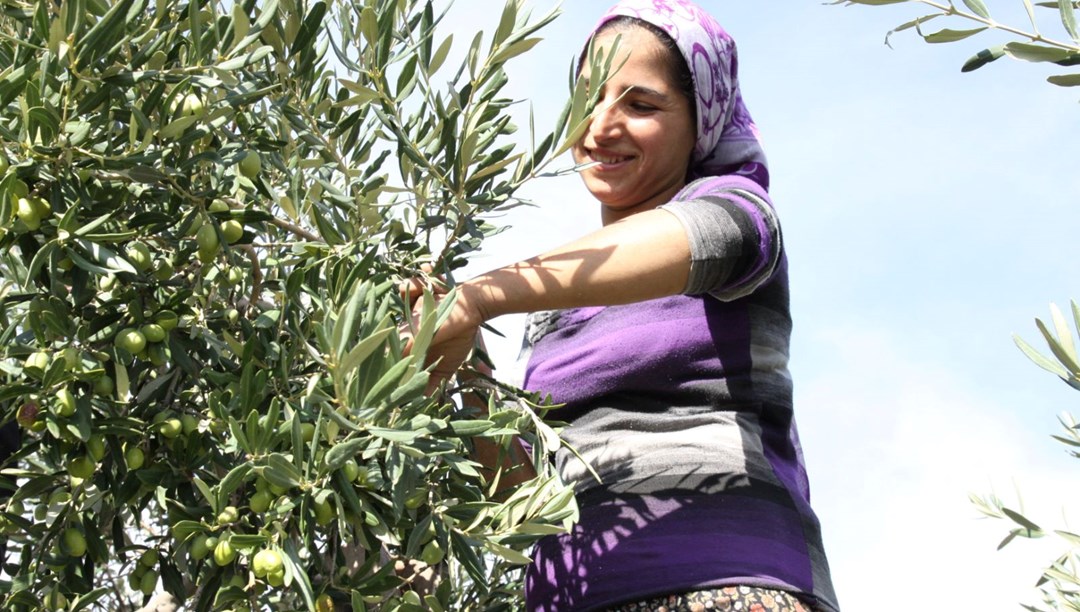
456, 337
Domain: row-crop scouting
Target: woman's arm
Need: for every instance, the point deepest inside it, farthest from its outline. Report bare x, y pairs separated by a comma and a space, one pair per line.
644, 256
641, 257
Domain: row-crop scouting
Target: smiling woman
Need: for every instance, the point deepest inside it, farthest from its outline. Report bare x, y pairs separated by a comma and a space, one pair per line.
665, 336
642, 131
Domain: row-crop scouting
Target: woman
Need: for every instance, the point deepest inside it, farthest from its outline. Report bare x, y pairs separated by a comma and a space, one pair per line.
665, 334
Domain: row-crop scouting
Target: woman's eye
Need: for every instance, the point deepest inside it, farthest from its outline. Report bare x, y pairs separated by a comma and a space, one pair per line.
642, 107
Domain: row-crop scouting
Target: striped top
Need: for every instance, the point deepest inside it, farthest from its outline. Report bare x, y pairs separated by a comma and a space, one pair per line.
682, 406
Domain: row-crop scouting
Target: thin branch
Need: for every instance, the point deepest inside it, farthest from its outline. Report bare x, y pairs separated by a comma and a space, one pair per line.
990, 23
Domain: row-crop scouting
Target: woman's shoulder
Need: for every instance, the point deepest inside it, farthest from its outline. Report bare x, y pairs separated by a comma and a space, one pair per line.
712, 186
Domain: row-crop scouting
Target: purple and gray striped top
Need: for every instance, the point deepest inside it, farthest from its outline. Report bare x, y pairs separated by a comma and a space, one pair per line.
682, 406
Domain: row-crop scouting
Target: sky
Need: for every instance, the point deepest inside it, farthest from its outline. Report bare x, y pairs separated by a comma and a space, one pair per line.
928, 216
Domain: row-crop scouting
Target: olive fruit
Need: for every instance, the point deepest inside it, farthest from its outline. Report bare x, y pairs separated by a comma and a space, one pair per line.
139, 255
131, 340
148, 582
191, 105
350, 470
95, 447
153, 332
224, 553
324, 512
134, 457
170, 428
250, 164
28, 213
267, 561
65, 402
81, 467
432, 554
39, 360
199, 547
167, 319
232, 230
74, 542
228, 514
260, 501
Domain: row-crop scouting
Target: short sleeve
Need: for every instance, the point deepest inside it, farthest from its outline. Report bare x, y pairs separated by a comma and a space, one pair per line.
734, 235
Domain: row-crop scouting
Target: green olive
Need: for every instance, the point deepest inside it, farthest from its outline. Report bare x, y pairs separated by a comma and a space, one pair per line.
432, 554
224, 553
95, 447
164, 269
149, 558
131, 340
106, 283
199, 547
81, 467
192, 105
170, 428
267, 561
350, 470
74, 542
65, 402
139, 255
207, 239
260, 501
228, 514
104, 385
167, 319
134, 457
324, 512
232, 230
250, 164
148, 583
39, 360
153, 332
28, 214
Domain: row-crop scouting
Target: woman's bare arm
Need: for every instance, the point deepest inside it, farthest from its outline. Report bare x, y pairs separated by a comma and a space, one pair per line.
644, 256
641, 257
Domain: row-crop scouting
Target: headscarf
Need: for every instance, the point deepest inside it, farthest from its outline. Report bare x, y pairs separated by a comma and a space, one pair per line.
727, 139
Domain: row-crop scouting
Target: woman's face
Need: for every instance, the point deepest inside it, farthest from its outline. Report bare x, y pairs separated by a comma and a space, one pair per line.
642, 130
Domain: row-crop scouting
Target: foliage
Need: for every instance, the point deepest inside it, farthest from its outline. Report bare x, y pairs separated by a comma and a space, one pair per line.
1033, 46
1060, 582
205, 212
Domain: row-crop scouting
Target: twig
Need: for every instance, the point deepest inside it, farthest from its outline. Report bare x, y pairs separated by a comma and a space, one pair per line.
952, 10
296, 229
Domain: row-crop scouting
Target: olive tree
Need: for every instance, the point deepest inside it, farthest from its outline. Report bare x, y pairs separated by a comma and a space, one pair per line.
206, 209
1060, 581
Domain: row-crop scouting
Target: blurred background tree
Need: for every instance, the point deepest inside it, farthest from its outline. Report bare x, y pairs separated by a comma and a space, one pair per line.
1059, 583
205, 211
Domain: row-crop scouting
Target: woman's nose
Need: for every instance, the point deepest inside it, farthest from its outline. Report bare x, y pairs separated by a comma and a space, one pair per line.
606, 122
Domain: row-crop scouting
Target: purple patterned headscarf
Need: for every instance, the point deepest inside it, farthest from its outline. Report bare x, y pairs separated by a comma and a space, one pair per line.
728, 141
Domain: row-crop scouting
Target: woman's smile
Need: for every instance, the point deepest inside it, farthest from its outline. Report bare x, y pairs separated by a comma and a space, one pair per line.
607, 161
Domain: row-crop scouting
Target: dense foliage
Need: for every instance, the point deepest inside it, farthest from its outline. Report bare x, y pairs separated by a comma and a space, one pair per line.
205, 212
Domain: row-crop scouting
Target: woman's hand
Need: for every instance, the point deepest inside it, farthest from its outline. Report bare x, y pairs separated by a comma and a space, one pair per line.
642, 257
455, 339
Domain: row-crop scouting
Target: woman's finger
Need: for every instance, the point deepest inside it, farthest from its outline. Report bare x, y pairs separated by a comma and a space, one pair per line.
410, 290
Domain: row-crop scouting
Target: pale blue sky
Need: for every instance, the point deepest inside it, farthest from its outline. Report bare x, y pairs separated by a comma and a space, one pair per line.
928, 215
